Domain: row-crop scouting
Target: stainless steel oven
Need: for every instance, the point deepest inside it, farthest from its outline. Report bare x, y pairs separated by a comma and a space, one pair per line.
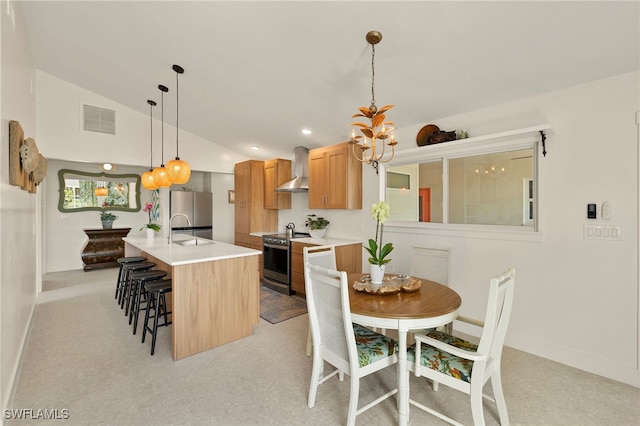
276, 252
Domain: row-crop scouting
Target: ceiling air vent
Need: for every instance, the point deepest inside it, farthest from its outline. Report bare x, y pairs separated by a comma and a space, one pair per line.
98, 119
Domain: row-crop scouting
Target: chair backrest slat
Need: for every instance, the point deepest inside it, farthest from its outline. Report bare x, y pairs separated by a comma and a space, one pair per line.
430, 263
496, 321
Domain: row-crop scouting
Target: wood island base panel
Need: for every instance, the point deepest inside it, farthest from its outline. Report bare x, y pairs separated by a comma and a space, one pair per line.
214, 301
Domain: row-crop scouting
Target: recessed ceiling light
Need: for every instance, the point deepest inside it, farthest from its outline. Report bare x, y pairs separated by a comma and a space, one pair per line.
107, 166
306, 131
255, 148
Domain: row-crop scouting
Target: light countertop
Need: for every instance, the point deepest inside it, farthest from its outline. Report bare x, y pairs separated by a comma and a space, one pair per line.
326, 241
175, 254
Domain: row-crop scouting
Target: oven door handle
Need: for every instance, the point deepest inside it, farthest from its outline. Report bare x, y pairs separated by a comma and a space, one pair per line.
276, 247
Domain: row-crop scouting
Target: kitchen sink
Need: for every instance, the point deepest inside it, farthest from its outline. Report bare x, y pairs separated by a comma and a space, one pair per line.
194, 242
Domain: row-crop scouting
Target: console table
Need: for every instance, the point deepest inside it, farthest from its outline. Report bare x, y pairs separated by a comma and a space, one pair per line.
104, 247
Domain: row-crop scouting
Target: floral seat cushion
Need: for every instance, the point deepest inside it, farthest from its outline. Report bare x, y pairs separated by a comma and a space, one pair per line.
442, 361
372, 346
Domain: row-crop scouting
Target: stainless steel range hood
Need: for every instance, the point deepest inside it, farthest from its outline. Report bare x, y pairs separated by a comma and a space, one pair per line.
300, 181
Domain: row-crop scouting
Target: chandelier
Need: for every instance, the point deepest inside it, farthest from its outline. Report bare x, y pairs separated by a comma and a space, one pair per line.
377, 133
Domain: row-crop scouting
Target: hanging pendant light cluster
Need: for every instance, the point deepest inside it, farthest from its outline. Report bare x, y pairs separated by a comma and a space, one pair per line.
374, 134
177, 171
147, 177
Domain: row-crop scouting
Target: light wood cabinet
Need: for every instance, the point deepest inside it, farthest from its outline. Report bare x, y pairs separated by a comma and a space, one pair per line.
250, 214
335, 178
276, 172
256, 244
348, 258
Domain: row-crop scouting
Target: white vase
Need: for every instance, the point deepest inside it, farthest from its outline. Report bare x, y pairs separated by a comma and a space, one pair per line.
150, 233
317, 233
377, 273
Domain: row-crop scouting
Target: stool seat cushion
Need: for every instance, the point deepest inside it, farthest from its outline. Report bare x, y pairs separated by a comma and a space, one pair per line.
131, 259
138, 266
158, 286
442, 361
148, 275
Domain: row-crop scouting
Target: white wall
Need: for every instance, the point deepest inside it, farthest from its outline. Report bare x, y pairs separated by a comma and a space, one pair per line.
60, 134
576, 299
18, 219
223, 211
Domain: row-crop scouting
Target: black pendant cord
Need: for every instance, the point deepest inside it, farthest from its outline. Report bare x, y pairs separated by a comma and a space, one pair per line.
544, 147
151, 105
163, 89
179, 70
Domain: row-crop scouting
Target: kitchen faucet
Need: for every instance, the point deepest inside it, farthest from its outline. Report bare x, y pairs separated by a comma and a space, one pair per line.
171, 222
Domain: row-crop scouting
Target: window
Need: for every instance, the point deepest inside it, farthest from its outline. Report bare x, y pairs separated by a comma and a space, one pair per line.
478, 181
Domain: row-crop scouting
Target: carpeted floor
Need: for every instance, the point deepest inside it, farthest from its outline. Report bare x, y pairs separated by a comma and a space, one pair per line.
277, 307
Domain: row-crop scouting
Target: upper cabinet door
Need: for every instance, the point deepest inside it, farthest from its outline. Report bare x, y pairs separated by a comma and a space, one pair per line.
276, 172
335, 178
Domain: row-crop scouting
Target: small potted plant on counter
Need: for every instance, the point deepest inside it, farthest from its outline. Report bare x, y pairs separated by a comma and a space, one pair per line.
150, 228
317, 225
107, 219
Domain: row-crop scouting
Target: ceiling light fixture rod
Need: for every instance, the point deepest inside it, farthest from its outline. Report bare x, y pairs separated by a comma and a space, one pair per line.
151, 105
179, 70
164, 90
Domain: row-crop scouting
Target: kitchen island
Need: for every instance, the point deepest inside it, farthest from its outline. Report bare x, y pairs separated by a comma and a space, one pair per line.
215, 298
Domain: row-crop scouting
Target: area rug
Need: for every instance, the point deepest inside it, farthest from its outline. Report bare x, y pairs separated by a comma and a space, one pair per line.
277, 307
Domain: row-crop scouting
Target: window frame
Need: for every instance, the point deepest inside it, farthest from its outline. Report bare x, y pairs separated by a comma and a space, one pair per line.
524, 138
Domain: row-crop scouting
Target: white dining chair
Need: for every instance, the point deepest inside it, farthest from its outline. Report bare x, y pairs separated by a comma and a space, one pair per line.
322, 256
350, 348
432, 263
455, 362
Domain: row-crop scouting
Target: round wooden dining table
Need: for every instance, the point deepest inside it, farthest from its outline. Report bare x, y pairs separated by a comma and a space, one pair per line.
432, 305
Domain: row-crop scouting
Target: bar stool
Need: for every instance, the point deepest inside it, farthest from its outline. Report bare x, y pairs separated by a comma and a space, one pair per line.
125, 297
139, 279
158, 303
124, 261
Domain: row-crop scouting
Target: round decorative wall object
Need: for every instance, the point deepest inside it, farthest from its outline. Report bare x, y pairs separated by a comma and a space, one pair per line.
425, 132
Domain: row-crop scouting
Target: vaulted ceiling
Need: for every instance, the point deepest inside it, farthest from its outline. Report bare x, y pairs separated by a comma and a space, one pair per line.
256, 73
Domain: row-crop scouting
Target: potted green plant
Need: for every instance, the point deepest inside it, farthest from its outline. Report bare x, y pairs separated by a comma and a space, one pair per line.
107, 219
317, 225
376, 249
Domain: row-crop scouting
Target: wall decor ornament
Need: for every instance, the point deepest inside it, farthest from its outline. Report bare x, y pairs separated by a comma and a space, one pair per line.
27, 166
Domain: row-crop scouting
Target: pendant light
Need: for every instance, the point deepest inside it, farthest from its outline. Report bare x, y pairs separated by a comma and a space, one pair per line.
178, 170
147, 177
101, 190
160, 176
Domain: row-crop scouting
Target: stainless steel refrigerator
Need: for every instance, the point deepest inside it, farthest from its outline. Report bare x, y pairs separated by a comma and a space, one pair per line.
198, 207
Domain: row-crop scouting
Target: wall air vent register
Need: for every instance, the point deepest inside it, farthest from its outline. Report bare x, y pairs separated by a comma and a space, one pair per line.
101, 120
